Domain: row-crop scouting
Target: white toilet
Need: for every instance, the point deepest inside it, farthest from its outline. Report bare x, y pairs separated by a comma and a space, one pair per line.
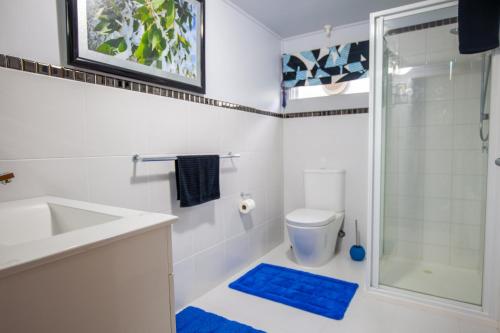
313, 230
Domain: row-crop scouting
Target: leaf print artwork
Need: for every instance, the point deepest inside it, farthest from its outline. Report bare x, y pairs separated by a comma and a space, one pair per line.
153, 33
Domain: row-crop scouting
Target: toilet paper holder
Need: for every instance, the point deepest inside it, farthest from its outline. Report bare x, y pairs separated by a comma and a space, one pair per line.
247, 204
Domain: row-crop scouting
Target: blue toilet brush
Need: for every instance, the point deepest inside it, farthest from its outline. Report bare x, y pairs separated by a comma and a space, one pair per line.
357, 251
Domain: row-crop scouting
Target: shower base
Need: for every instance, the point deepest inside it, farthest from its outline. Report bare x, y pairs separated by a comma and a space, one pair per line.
455, 283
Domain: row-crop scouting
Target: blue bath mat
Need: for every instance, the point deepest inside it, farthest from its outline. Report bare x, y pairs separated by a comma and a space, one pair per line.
318, 294
195, 320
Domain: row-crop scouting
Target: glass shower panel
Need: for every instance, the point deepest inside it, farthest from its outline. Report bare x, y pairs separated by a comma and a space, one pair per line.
434, 163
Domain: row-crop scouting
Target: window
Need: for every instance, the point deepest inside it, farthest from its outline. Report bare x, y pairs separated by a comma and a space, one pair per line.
343, 88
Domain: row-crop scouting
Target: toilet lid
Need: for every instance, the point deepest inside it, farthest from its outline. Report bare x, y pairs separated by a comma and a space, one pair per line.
310, 217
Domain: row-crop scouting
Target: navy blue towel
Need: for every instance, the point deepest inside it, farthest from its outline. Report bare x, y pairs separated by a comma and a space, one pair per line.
478, 25
195, 320
197, 179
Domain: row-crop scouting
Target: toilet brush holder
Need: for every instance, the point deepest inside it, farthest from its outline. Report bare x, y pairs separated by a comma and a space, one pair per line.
357, 251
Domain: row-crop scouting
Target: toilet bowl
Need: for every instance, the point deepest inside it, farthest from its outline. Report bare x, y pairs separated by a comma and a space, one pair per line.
313, 230
313, 234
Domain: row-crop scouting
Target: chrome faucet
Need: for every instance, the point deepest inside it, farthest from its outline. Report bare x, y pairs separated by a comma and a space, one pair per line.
6, 178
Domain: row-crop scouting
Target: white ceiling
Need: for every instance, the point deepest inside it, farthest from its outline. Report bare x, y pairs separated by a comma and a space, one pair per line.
294, 17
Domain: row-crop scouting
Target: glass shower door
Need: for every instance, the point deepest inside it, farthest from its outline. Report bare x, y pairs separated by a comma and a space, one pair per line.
434, 163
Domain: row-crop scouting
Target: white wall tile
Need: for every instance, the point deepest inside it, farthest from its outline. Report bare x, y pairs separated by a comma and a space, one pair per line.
167, 125
409, 250
438, 161
436, 254
437, 209
410, 161
466, 258
467, 236
238, 253
413, 44
161, 187
184, 282
115, 121
64, 177
204, 128
411, 138
410, 184
438, 137
207, 225
36, 121
258, 241
182, 236
439, 112
467, 86
275, 232
412, 60
410, 231
469, 187
437, 186
234, 175
258, 214
469, 162
235, 223
466, 137
117, 181
438, 87
234, 132
435, 233
466, 111
438, 39
467, 211
210, 268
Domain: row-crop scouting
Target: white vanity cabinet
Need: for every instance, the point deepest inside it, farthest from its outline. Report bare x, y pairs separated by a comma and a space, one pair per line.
70, 266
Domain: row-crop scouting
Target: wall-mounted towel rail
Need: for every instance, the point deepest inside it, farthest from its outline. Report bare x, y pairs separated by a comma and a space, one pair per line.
139, 158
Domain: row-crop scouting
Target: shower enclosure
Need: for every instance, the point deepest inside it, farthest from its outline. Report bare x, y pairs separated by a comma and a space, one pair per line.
430, 127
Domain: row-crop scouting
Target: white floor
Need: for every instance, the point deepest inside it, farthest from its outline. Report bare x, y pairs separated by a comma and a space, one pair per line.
434, 279
368, 313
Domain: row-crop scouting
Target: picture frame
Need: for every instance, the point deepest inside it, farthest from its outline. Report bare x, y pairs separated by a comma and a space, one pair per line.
155, 41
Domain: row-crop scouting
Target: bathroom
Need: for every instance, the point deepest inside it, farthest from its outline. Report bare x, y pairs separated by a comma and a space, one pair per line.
298, 166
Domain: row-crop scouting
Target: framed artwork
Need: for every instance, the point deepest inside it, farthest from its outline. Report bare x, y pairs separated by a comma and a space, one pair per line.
156, 41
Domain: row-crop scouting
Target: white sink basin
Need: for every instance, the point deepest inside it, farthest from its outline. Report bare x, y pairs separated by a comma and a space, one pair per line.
29, 220
44, 228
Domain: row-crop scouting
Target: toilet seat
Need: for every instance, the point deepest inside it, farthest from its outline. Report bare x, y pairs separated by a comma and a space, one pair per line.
310, 217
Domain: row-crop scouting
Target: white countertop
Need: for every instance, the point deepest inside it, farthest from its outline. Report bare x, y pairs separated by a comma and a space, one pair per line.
41, 245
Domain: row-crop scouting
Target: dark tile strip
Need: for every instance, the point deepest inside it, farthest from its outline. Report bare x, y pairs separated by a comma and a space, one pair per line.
120, 83
14, 63
56, 71
324, 113
30, 66
422, 26
43, 69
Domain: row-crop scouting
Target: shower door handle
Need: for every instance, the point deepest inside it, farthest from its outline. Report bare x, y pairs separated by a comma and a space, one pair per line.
497, 161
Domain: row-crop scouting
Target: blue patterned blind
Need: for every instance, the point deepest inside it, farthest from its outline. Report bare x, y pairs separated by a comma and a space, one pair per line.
338, 63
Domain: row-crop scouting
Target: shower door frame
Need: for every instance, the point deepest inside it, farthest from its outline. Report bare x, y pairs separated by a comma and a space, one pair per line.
489, 309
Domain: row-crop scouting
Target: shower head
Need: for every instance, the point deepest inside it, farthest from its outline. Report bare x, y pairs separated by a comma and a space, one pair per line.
454, 31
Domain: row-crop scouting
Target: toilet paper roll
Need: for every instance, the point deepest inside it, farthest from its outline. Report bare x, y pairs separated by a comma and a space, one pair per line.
246, 206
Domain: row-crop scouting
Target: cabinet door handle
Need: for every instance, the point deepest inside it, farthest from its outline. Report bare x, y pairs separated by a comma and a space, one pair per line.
497, 161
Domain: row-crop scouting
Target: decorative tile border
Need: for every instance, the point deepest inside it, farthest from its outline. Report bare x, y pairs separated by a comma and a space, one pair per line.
338, 112
423, 26
120, 83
